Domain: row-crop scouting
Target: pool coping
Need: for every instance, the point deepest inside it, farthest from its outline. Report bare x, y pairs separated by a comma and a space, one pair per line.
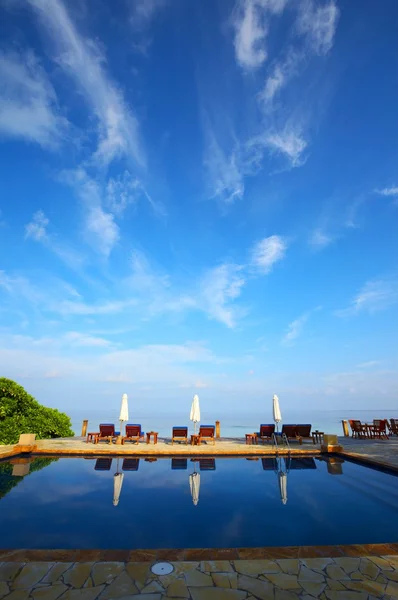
195, 554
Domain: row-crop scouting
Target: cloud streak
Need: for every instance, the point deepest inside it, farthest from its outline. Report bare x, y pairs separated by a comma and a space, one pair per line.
28, 104
375, 296
83, 61
267, 252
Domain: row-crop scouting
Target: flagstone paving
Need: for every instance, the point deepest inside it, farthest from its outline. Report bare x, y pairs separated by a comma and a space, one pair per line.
341, 578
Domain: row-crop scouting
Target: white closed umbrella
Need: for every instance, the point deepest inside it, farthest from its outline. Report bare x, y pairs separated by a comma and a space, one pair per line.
195, 411
124, 412
117, 487
194, 485
276, 411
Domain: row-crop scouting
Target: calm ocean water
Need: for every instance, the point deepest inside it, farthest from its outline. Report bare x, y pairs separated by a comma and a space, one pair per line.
235, 425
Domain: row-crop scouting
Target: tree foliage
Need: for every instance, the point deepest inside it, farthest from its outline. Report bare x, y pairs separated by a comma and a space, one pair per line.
21, 413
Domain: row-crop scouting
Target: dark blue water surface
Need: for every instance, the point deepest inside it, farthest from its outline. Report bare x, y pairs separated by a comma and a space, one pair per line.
68, 503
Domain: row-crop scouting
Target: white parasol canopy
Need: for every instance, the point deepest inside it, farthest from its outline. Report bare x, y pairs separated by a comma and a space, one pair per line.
124, 411
117, 487
194, 485
276, 410
195, 411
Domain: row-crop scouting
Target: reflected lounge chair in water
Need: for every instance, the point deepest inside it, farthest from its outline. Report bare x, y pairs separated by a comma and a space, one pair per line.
269, 464
103, 464
131, 464
178, 464
300, 462
207, 464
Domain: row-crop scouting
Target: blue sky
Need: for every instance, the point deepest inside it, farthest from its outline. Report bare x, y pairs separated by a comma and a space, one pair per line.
200, 197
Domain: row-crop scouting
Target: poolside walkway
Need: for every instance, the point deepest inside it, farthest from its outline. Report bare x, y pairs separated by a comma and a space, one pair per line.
339, 578
382, 451
164, 447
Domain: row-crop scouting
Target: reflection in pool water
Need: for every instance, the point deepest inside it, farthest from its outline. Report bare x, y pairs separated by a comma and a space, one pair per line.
185, 502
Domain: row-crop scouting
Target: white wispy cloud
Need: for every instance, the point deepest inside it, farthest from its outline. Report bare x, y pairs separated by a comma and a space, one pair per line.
101, 229
36, 229
219, 287
388, 191
251, 28
283, 70
68, 307
28, 104
375, 296
83, 60
225, 174
369, 364
320, 239
294, 330
82, 339
290, 143
318, 23
121, 191
267, 252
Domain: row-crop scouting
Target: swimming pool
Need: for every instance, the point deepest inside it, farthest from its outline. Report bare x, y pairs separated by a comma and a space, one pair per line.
181, 503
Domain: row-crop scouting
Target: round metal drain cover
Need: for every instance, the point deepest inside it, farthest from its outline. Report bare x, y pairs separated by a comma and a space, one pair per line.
162, 568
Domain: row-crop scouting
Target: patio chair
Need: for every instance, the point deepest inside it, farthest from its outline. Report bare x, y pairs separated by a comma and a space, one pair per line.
266, 432
303, 432
380, 427
131, 464
207, 464
393, 426
133, 434
106, 432
288, 432
178, 464
358, 430
179, 434
103, 464
206, 432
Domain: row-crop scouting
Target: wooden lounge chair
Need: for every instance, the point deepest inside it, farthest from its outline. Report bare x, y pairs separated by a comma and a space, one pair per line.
131, 464
265, 433
179, 434
380, 428
288, 432
393, 426
303, 432
206, 432
358, 430
103, 464
133, 434
207, 464
178, 464
107, 432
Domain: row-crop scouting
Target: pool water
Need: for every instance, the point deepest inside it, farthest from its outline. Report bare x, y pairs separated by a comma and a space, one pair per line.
181, 503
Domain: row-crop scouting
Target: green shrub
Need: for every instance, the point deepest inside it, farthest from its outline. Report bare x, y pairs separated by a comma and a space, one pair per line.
21, 413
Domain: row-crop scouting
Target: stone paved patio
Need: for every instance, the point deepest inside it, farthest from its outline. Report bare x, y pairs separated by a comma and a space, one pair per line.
339, 578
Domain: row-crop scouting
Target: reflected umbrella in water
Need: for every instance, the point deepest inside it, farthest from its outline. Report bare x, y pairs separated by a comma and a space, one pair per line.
194, 485
195, 412
276, 411
282, 478
117, 485
124, 412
